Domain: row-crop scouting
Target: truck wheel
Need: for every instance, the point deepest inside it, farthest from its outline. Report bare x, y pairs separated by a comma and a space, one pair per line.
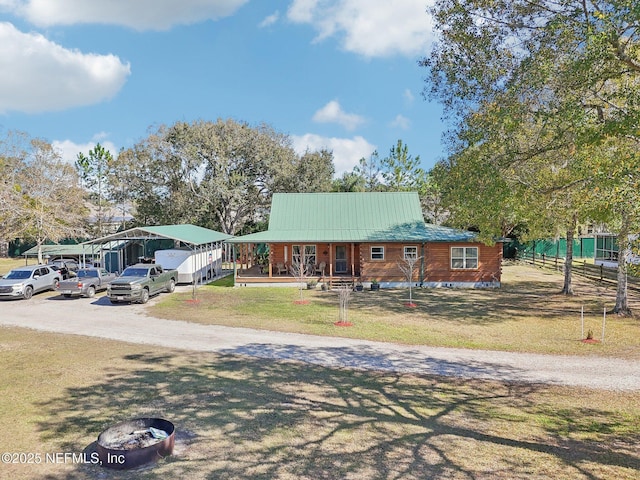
172, 286
144, 296
55, 284
91, 292
28, 292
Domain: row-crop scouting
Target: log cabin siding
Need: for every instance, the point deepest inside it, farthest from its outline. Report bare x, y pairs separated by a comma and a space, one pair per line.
438, 263
434, 267
387, 270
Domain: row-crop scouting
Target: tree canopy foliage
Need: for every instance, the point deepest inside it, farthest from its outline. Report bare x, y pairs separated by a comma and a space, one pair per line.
220, 174
544, 99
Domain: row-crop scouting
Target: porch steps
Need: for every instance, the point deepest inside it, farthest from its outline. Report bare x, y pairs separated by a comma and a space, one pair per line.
335, 283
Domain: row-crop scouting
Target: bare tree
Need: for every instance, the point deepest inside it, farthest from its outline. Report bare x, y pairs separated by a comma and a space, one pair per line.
344, 297
299, 270
407, 266
51, 207
13, 148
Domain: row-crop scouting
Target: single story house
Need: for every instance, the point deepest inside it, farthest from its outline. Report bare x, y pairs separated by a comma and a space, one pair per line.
361, 237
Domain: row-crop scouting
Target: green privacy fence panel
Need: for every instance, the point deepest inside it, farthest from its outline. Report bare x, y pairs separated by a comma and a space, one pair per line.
582, 247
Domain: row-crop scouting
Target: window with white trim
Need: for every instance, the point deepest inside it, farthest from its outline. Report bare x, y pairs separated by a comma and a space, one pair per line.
377, 253
410, 252
303, 255
464, 258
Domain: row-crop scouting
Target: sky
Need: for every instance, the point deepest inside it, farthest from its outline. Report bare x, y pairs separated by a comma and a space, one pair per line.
336, 74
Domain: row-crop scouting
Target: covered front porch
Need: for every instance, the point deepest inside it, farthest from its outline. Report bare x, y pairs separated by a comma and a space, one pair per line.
291, 263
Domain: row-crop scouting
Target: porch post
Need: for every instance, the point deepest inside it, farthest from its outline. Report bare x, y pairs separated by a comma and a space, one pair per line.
270, 259
353, 268
422, 266
235, 265
330, 260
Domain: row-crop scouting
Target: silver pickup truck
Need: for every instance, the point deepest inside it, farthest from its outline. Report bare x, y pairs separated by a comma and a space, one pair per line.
86, 283
138, 282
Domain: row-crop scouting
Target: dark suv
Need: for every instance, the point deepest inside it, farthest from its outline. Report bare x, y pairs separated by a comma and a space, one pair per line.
66, 266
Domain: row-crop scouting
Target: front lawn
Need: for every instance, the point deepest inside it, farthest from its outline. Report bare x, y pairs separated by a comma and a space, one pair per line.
245, 418
527, 314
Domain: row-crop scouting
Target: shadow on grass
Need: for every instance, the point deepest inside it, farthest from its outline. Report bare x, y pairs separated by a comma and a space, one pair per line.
238, 417
478, 306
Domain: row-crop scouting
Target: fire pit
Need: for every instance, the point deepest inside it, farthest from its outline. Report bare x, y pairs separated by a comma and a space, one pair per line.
135, 442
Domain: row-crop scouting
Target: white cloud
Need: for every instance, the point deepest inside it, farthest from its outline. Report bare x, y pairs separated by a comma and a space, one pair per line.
346, 151
372, 28
270, 20
401, 122
69, 150
332, 113
137, 14
302, 11
408, 96
39, 75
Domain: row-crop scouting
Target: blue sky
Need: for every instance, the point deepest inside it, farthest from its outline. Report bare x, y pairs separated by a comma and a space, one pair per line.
339, 74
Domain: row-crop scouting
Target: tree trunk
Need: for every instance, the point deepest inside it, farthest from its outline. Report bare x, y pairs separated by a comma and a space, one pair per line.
624, 256
567, 289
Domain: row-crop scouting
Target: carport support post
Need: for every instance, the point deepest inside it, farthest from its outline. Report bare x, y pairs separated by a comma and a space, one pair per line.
235, 266
194, 274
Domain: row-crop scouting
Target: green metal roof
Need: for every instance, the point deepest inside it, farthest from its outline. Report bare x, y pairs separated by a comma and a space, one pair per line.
59, 250
190, 234
350, 217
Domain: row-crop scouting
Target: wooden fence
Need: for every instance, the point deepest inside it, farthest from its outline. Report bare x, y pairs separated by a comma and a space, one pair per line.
598, 273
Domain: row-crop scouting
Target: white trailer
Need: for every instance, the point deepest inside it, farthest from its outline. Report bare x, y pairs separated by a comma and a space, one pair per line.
193, 266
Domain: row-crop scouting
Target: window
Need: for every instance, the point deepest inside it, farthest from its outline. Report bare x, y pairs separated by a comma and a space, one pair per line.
310, 255
377, 253
303, 255
296, 255
410, 252
606, 248
464, 257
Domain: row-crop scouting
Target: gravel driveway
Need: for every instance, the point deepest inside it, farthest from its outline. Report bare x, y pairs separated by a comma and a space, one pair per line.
98, 318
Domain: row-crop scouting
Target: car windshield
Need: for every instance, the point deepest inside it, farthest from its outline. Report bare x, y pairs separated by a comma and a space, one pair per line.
87, 273
18, 274
134, 272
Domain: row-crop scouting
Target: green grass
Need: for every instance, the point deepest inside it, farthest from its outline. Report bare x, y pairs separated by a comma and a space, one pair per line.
527, 314
6, 264
245, 418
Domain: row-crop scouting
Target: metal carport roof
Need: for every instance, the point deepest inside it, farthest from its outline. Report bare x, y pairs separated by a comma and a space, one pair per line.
188, 234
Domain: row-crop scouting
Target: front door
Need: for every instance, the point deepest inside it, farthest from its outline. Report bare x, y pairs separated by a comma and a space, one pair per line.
341, 259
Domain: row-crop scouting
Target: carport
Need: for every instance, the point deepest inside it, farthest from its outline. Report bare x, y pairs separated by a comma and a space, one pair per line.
139, 244
76, 252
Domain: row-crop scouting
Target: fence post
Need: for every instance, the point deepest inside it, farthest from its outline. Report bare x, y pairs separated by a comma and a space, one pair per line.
601, 272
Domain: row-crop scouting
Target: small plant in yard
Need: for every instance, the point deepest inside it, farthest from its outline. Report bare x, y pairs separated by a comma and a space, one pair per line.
344, 296
299, 271
407, 266
590, 334
311, 284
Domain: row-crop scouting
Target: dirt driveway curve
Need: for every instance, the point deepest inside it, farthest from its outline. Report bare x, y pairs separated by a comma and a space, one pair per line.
128, 323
